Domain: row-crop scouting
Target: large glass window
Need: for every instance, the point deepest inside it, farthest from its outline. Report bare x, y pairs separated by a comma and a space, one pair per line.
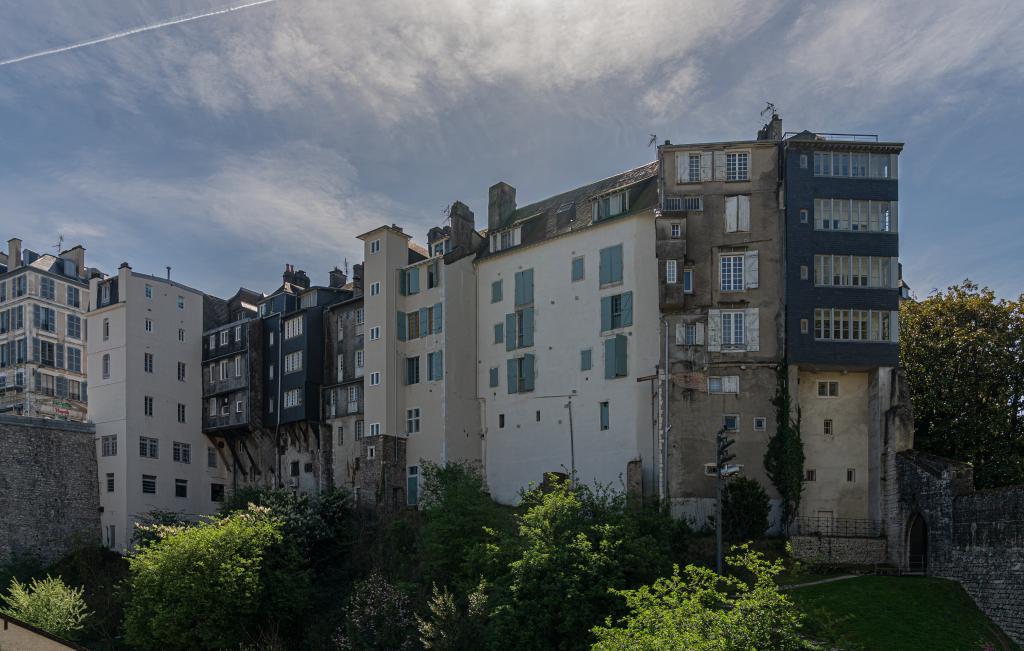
840, 324
855, 215
855, 165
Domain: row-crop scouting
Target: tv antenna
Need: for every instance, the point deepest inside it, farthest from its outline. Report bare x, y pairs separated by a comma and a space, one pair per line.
769, 109
60, 243
654, 138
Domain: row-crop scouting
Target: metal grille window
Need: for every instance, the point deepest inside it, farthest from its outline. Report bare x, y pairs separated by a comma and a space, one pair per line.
827, 428
412, 420
732, 273
737, 166
182, 452
147, 405
149, 484
149, 447
108, 445
147, 362
110, 482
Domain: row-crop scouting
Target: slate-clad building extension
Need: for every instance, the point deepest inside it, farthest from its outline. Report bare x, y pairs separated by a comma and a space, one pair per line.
43, 301
720, 246
842, 300
567, 320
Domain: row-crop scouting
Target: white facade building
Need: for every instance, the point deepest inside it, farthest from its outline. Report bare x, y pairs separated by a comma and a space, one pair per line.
146, 401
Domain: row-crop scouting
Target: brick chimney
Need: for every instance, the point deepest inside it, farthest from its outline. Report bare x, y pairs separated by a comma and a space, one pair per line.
772, 130
357, 277
464, 225
13, 253
289, 274
500, 205
76, 254
301, 279
337, 278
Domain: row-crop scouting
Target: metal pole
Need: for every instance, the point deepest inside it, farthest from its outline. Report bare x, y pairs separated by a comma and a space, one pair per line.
664, 419
572, 446
718, 520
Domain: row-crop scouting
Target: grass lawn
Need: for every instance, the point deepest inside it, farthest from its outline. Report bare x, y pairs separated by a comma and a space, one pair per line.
898, 613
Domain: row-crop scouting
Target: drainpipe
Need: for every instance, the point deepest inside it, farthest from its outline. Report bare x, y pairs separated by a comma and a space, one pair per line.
665, 427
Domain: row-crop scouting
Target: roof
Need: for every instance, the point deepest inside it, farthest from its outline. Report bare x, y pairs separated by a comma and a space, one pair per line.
844, 141
38, 631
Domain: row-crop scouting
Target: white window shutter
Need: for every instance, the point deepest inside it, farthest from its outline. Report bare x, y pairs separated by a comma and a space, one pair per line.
683, 167
752, 327
730, 214
719, 165
744, 213
714, 330
705, 166
750, 269
680, 334
699, 339
615, 204
731, 384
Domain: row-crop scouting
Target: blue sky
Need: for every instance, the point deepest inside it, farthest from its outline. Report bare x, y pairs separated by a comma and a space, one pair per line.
229, 146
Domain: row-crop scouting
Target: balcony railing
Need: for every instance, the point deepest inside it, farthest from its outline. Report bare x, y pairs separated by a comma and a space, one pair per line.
836, 527
675, 204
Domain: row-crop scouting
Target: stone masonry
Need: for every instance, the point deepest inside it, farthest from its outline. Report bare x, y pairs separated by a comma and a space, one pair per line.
49, 495
835, 550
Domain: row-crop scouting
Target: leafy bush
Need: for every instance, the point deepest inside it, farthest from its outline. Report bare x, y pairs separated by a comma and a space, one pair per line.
49, 604
448, 627
702, 611
379, 617
745, 509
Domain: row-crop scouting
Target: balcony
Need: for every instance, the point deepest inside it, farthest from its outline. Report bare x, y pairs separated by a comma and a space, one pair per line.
226, 385
683, 204
223, 421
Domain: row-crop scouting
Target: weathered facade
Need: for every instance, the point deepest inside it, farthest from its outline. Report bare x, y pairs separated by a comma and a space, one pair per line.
344, 363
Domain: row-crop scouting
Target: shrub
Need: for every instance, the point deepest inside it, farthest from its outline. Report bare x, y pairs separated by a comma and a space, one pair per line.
49, 604
448, 627
745, 509
379, 617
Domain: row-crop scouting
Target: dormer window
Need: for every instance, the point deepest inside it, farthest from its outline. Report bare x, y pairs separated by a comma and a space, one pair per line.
610, 205
506, 239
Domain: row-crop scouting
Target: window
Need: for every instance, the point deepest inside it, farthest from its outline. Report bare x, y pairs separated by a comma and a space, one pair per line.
292, 398
687, 334
826, 428
149, 291
687, 281
610, 267
737, 166
435, 365
293, 327
499, 333
804, 218
856, 215
375, 379
501, 421
147, 362
731, 422
810, 475
181, 371
496, 291
412, 420
610, 206
44, 318
47, 288
359, 429
149, 484
520, 371
615, 357
433, 275
182, 452
856, 325
147, 405
412, 370
851, 475
374, 247
524, 287
578, 270
693, 167
828, 389
676, 230
74, 296
855, 271
181, 302
804, 326
359, 358
374, 429
493, 376
74, 326
760, 424
803, 161
238, 406
181, 488
604, 415
293, 362
110, 482
732, 329
213, 342
216, 492
225, 337
360, 316
374, 289
412, 493
732, 273
106, 329
353, 393
108, 445
671, 272
211, 457
374, 333
74, 359
149, 447
238, 366
295, 469
371, 450
616, 311
877, 166
724, 384
340, 434
181, 412
106, 367
737, 213
586, 359
181, 334
238, 334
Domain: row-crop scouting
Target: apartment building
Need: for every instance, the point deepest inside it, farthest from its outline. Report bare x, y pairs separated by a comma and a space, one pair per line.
720, 235
146, 402
344, 367
420, 401
232, 378
43, 301
842, 321
567, 329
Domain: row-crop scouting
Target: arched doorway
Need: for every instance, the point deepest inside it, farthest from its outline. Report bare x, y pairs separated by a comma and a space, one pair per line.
917, 544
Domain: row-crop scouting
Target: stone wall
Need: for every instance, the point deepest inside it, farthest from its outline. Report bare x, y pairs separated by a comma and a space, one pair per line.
834, 550
49, 493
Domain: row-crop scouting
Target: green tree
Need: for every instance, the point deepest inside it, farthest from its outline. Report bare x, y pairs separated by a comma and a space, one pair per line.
963, 356
449, 627
701, 611
49, 604
784, 457
745, 509
379, 617
212, 585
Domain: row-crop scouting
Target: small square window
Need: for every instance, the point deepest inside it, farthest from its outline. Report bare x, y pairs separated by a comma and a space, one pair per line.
371, 451
803, 272
827, 429
810, 475
804, 326
803, 161
803, 216
677, 230
760, 424
731, 422
828, 389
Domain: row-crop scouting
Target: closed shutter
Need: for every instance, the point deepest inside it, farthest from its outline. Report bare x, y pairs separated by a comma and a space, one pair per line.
518, 289
437, 366
526, 315
499, 333
627, 309
719, 165
60, 355
585, 360
750, 269
604, 267
699, 340
496, 291
437, 318
528, 372
424, 321
752, 328
414, 280
705, 166
680, 334
85, 396
731, 214
894, 273
510, 331
401, 282
512, 375
620, 356
494, 377
528, 284
401, 326
35, 316
62, 387
36, 349
744, 212
894, 326
609, 358
714, 330
683, 168
616, 271
606, 313
894, 219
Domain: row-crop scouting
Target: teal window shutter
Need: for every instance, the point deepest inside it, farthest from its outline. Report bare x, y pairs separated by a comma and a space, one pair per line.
609, 358
401, 326
604, 415
437, 318
414, 280
577, 269
526, 327
620, 356
496, 291
616, 264
510, 331
604, 270
627, 309
494, 376
437, 366
424, 315
585, 360
499, 333
518, 288
527, 286
513, 376
528, 366
401, 282
606, 313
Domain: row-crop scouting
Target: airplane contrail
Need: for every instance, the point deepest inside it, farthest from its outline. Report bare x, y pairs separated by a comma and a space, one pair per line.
130, 32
